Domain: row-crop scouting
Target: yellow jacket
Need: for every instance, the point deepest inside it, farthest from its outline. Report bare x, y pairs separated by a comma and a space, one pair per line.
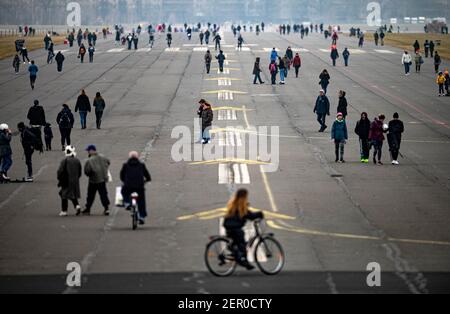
440, 79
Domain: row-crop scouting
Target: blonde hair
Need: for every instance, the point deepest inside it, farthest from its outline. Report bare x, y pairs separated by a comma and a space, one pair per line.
238, 204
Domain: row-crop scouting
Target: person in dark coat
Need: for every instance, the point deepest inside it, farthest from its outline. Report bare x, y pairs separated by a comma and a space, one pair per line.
342, 106
362, 129
334, 55
59, 61
207, 117
5, 152
83, 106
396, 128
237, 215
81, 53
339, 135
65, 121
69, 174
324, 80
99, 105
257, 71
221, 59
208, 60
376, 136
134, 175
322, 109
48, 136
346, 55
36, 115
297, 63
28, 140
432, 49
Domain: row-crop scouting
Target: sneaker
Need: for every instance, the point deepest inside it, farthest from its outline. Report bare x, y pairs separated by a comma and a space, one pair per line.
5, 177
395, 162
78, 210
63, 214
363, 160
342, 161
28, 179
366, 161
380, 163
324, 128
106, 212
86, 212
141, 222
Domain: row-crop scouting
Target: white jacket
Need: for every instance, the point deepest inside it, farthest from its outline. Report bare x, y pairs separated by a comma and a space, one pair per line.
406, 58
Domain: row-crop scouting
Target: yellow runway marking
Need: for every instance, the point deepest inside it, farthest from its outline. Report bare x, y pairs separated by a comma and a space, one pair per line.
220, 212
304, 231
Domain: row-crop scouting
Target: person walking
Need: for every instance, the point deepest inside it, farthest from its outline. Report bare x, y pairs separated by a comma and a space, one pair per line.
346, 56
376, 136
273, 68
59, 61
81, 53
83, 105
5, 152
217, 40
29, 141
68, 175
416, 46
339, 135
382, 36
16, 64
282, 69
297, 63
208, 60
135, 41
33, 70
257, 71
361, 40
362, 129
202, 37
65, 121
48, 136
130, 40
207, 117
426, 47
91, 51
432, 49
36, 115
447, 82
290, 57
396, 129
334, 55
440, 80
50, 53
207, 35
322, 109
406, 61
221, 59
169, 39
324, 80
134, 175
274, 55
437, 62
99, 105
376, 38
97, 170
419, 61
240, 42
24, 53
342, 106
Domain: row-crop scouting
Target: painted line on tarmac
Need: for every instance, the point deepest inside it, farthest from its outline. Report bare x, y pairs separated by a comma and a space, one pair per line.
220, 212
286, 227
227, 115
233, 174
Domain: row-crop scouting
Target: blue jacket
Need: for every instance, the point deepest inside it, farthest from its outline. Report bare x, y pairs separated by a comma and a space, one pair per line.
274, 56
322, 105
33, 69
339, 131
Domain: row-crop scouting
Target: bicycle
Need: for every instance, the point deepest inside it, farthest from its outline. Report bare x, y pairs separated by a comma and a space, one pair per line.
134, 211
220, 257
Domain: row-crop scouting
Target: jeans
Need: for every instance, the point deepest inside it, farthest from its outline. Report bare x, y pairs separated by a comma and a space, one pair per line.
65, 136
406, 68
93, 188
28, 160
339, 149
321, 118
60, 67
221, 66
417, 67
6, 163
346, 62
98, 118
364, 148
324, 87
257, 78
217, 45
282, 73
33, 80
208, 67
83, 116
378, 150
141, 203
297, 71
205, 132
239, 244
91, 58
334, 62
274, 78
441, 89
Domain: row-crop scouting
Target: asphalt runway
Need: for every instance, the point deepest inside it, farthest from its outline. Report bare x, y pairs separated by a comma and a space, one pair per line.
332, 219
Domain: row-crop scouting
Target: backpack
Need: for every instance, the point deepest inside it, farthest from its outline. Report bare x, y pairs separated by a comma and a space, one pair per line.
273, 68
64, 121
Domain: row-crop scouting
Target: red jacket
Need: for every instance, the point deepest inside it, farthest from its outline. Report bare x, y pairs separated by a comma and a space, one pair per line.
297, 61
376, 131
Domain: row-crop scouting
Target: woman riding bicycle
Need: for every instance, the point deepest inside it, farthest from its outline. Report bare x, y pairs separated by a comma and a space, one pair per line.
238, 214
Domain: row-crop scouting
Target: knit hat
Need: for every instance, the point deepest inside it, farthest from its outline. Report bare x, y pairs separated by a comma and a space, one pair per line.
3, 127
70, 151
339, 114
91, 148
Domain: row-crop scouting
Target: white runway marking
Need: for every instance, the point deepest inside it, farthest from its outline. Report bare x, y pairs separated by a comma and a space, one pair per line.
325, 50
144, 50
357, 51
238, 174
246, 49
385, 51
225, 71
176, 49
225, 96
116, 50
300, 50
230, 138
224, 82
227, 115
270, 49
200, 49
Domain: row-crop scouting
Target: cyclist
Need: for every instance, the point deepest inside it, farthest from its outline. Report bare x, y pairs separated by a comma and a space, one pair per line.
134, 175
237, 215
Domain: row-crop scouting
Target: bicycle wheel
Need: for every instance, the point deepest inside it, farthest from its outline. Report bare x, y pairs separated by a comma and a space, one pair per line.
134, 219
219, 259
269, 256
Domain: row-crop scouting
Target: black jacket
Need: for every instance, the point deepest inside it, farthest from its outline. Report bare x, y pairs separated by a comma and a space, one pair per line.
59, 58
362, 129
342, 106
36, 115
324, 78
5, 144
236, 222
207, 118
65, 119
322, 105
134, 174
396, 128
83, 104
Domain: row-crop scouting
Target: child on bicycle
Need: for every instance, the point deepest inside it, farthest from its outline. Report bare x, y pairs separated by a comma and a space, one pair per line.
238, 214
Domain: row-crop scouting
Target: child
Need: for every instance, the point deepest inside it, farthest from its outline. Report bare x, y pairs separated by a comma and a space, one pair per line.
48, 134
237, 215
340, 135
447, 82
16, 64
441, 81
